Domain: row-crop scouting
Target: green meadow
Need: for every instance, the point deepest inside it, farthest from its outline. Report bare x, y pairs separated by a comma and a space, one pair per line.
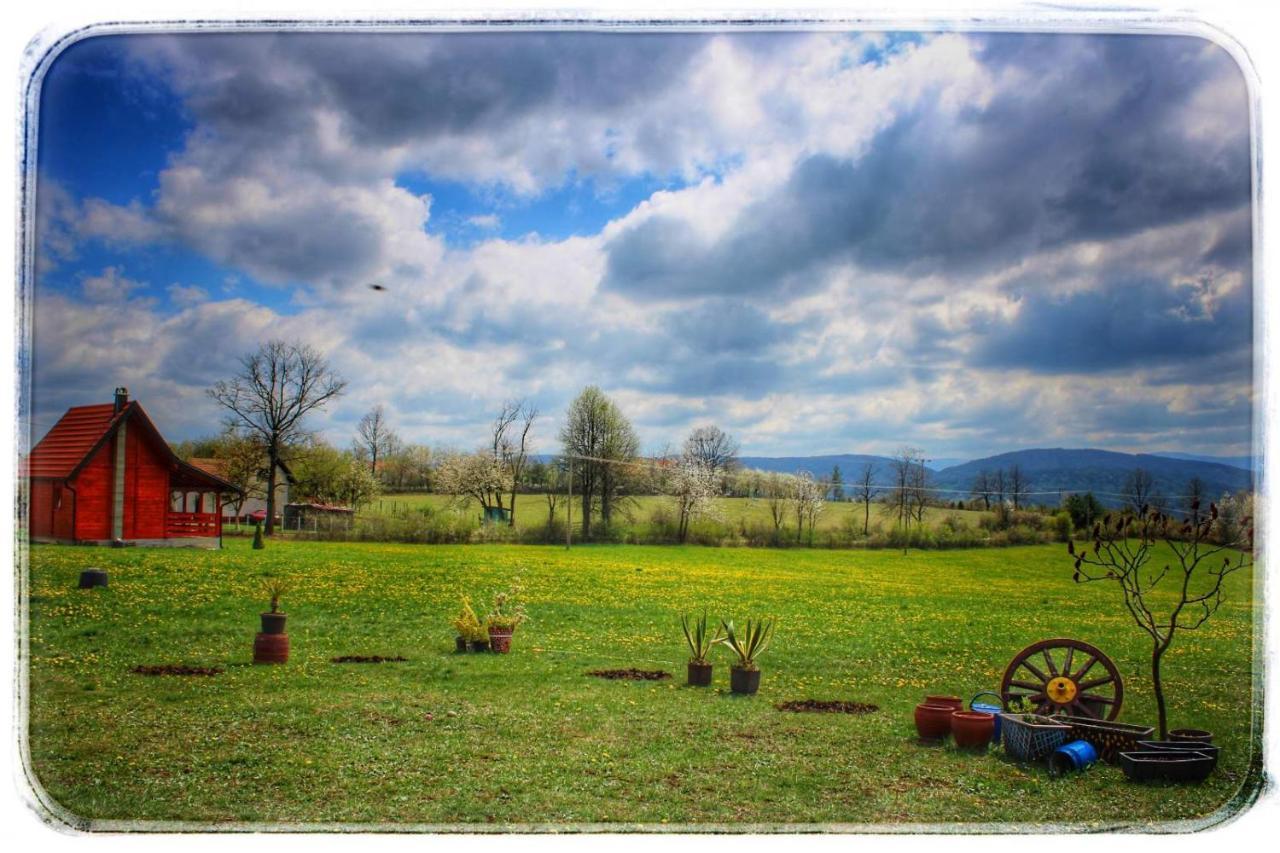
530, 739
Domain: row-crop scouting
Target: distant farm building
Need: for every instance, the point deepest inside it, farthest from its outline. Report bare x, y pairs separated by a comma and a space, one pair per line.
105, 475
317, 516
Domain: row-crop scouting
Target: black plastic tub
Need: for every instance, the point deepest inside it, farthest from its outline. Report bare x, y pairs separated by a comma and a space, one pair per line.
1181, 745
1172, 765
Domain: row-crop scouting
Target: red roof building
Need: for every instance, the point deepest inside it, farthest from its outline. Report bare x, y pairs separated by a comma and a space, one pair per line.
104, 475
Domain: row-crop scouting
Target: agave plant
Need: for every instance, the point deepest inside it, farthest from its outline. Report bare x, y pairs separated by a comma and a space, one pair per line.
275, 588
699, 638
751, 644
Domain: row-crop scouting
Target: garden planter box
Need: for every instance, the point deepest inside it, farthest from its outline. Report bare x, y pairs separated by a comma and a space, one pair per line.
1108, 738
1179, 745
1030, 737
1191, 735
744, 681
1173, 765
699, 674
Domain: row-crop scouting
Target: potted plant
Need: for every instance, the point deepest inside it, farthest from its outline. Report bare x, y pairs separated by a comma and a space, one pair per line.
271, 645
468, 626
273, 620
700, 642
744, 676
507, 614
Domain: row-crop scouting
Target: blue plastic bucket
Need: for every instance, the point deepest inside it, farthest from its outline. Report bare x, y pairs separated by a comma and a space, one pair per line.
993, 710
1070, 757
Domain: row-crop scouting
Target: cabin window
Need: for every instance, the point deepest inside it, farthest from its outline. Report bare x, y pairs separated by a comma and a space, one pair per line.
176, 501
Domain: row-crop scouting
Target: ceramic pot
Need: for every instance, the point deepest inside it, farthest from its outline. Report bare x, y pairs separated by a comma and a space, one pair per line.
933, 722
972, 729
952, 702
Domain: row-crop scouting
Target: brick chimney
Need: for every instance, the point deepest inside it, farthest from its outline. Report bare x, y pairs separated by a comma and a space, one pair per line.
122, 397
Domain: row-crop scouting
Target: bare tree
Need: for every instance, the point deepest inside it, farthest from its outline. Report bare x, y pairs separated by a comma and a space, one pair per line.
277, 387
1194, 498
997, 484
713, 448
1139, 490
511, 444
982, 488
863, 490
1123, 548
375, 438
1017, 485
910, 485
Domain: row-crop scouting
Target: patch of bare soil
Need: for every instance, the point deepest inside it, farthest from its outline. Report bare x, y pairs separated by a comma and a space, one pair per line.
824, 707
631, 674
366, 659
175, 669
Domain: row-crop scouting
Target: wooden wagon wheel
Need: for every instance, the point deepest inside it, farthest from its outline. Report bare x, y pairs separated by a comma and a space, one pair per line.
1065, 676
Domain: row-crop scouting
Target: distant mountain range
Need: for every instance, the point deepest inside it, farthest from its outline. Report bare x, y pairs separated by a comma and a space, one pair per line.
1103, 472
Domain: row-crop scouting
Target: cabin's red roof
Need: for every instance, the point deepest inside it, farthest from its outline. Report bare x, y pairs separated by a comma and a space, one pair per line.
83, 429
72, 438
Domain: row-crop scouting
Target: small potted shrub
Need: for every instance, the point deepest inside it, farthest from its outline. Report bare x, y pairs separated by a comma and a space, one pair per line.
273, 620
700, 642
744, 676
467, 624
271, 645
506, 615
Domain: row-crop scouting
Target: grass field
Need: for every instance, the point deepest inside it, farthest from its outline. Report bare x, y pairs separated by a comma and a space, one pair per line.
531, 510
529, 739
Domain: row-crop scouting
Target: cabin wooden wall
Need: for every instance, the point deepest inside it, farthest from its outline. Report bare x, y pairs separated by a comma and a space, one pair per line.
93, 493
146, 489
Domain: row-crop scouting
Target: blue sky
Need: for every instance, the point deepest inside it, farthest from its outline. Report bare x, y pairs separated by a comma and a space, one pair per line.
823, 242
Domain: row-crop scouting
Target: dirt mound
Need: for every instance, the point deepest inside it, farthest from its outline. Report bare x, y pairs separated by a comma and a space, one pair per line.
818, 706
175, 669
630, 674
366, 659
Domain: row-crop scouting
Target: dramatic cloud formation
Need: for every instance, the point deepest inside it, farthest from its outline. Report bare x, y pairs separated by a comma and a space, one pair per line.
821, 241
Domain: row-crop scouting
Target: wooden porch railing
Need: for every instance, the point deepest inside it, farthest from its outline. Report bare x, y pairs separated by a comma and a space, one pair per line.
179, 524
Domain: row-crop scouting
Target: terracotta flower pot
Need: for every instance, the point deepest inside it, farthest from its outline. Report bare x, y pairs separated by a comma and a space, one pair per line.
744, 681
933, 722
699, 674
952, 702
271, 648
500, 639
273, 623
972, 729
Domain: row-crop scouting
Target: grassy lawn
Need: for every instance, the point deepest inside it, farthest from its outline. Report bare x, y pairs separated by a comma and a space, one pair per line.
528, 738
531, 510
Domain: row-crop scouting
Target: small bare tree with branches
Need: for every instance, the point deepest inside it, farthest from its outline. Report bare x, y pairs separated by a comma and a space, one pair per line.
1123, 548
863, 490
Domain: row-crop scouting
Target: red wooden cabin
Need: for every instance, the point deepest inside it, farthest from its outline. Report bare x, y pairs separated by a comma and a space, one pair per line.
104, 474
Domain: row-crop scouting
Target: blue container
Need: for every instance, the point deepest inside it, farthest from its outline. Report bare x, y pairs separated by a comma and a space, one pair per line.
993, 710
1070, 757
